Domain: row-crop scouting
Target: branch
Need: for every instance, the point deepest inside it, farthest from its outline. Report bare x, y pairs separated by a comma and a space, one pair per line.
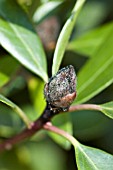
40, 123
36, 126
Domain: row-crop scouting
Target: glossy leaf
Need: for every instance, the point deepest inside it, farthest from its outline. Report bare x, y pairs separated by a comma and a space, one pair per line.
22, 43
24, 46
89, 43
97, 73
107, 109
64, 36
16, 109
7, 72
88, 158
44, 10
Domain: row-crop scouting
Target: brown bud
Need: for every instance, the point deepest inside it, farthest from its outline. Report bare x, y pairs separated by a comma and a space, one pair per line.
60, 91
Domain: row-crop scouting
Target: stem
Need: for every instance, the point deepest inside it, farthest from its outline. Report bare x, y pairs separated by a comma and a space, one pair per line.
41, 122
48, 126
8, 144
36, 126
85, 107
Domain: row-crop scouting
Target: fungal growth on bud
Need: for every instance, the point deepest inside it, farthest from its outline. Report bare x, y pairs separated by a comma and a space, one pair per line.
60, 91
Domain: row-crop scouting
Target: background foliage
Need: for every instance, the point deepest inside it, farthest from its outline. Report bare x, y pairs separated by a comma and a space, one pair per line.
89, 51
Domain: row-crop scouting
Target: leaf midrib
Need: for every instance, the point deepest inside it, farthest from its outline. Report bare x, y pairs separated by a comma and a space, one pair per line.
25, 44
107, 108
88, 158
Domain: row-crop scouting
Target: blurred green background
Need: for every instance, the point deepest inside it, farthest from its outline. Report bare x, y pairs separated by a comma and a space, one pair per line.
89, 127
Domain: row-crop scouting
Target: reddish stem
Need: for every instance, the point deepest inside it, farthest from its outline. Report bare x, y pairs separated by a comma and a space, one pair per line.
85, 107
39, 124
48, 126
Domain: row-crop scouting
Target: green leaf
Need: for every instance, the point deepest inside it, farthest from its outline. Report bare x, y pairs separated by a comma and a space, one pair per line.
89, 43
107, 109
65, 35
16, 109
22, 43
36, 88
7, 72
97, 73
45, 10
63, 122
88, 158
25, 46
